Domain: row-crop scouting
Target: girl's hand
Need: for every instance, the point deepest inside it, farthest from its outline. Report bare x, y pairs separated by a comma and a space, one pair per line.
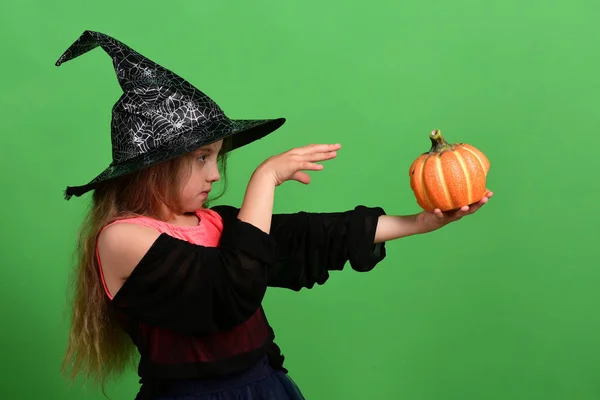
430, 221
291, 164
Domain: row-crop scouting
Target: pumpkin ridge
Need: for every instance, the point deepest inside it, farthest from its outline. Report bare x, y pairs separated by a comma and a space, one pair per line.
476, 156
463, 165
422, 180
440, 169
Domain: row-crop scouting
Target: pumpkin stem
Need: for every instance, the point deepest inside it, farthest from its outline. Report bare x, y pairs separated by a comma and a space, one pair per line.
438, 143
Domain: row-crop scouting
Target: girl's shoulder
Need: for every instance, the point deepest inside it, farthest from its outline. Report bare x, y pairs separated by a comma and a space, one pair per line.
131, 233
139, 220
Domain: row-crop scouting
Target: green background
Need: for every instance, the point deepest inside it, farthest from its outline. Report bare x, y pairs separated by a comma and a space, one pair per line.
501, 305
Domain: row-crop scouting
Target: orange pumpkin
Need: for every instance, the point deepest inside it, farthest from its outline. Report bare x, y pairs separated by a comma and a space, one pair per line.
448, 176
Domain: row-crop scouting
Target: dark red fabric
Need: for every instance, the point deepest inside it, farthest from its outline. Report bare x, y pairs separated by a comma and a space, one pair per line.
166, 346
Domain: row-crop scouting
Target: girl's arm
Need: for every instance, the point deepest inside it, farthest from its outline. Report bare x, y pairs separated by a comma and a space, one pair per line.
311, 245
257, 207
392, 227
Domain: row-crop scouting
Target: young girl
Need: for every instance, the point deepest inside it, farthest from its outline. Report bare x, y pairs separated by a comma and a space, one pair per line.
162, 273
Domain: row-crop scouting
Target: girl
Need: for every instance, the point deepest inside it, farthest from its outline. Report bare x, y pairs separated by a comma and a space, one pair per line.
162, 273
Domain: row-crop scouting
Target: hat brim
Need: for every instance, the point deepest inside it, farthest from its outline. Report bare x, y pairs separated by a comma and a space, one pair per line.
242, 132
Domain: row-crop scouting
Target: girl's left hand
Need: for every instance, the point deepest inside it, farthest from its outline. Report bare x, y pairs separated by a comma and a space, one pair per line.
430, 221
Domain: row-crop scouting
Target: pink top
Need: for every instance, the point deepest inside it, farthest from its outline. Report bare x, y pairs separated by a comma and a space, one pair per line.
206, 233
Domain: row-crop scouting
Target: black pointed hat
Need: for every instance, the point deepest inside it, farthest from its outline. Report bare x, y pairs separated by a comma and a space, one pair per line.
160, 115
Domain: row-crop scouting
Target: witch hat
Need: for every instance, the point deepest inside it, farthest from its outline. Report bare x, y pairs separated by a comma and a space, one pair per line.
160, 115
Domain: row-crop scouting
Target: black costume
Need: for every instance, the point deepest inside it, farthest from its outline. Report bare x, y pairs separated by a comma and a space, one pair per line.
194, 311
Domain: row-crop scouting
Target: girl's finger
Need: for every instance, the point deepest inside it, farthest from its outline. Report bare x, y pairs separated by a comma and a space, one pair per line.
310, 166
478, 205
312, 157
301, 177
318, 148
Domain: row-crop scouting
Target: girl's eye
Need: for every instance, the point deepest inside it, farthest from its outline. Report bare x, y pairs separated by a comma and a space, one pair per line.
202, 159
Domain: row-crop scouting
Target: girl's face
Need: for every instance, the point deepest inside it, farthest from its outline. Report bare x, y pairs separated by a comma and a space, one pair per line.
203, 173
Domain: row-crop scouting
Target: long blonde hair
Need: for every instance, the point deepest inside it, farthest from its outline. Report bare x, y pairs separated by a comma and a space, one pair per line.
97, 347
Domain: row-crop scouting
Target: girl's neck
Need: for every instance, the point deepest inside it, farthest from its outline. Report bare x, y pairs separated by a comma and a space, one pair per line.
184, 220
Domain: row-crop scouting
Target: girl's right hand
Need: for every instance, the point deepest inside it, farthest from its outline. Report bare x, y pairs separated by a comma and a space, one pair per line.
291, 164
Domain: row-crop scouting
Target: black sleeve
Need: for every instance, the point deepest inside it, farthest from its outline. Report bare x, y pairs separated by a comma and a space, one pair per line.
196, 289
310, 245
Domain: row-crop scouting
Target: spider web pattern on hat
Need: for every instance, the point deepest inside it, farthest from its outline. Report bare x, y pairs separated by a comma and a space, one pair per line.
159, 115
157, 105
